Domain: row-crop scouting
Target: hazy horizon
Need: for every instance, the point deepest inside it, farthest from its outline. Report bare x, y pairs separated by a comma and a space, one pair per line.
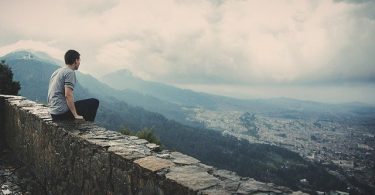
309, 50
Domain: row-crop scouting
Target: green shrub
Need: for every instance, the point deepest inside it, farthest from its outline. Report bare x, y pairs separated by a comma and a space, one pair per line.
148, 135
145, 133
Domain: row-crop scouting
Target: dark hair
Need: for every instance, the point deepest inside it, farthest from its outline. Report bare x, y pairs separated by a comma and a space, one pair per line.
71, 56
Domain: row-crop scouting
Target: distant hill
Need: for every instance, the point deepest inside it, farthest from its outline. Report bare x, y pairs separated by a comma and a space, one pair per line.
259, 161
274, 107
124, 79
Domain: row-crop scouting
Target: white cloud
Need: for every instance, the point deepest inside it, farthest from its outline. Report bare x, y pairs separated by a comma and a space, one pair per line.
206, 42
244, 41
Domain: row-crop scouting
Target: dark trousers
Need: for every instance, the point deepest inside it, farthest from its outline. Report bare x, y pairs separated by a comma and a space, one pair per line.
86, 108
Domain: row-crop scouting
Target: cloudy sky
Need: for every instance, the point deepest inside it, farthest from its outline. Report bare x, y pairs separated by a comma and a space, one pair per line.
317, 50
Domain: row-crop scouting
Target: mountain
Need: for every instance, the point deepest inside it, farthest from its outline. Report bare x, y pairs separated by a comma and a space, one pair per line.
124, 79
136, 98
32, 55
34, 72
260, 161
185, 100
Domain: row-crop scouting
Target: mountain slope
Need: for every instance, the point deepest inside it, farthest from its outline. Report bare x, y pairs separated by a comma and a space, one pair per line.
151, 103
124, 79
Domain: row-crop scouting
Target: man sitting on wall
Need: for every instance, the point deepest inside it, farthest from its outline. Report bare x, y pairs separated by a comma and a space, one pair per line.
60, 93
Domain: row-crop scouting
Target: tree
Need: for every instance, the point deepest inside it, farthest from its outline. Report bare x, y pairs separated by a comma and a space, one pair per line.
7, 85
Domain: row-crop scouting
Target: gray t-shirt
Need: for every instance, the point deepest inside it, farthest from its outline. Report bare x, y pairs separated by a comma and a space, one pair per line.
61, 78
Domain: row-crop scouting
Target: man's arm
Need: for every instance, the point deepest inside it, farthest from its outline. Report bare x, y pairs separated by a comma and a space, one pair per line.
70, 102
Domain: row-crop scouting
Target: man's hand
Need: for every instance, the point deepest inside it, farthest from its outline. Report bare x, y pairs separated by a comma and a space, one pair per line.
78, 117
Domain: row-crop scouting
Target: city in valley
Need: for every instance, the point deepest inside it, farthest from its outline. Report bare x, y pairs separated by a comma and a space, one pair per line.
346, 150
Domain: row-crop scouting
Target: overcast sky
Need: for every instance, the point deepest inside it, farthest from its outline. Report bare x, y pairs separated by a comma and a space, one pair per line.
319, 50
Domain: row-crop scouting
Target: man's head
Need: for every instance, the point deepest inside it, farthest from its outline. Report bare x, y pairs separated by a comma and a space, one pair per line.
72, 58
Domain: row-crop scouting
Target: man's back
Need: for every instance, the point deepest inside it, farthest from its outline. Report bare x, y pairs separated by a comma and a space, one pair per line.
60, 93
61, 78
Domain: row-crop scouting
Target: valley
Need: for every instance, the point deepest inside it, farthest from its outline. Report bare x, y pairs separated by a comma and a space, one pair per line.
346, 150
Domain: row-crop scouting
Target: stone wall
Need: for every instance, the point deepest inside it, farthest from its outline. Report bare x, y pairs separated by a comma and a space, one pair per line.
83, 158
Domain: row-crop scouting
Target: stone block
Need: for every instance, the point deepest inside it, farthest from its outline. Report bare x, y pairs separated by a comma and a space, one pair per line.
183, 159
153, 163
193, 177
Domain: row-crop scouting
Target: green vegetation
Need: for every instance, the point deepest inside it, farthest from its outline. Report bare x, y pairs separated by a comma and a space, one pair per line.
7, 85
126, 131
145, 133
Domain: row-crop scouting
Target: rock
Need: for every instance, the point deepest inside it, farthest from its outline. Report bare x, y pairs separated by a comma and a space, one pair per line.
7, 191
226, 175
183, 159
133, 137
253, 186
153, 147
166, 156
154, 163
193, 177
214, 192
300, 193
141, 141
